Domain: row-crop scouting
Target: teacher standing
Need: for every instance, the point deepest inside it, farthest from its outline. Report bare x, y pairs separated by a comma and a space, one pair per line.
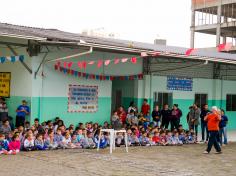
213, 119
22, 111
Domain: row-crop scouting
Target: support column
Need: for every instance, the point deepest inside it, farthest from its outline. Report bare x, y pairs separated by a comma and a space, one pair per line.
36, 89
192, 37
225, 21
218, 28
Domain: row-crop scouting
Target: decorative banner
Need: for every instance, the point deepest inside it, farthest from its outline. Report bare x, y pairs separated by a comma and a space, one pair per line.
179, 83
12, 58
124, 60
5, 80
224, 47
100, 62
107, 62
82, 98
116, 61
190, 51
97, 77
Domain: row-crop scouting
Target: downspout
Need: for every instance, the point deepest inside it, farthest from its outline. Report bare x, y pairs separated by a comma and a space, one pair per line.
71, 56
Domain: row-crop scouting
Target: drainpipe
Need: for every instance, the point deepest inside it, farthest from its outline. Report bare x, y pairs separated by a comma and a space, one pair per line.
71, 56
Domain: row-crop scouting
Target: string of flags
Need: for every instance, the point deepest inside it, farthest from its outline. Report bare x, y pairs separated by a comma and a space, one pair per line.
99, 63
220, 47
97, 77
12, 59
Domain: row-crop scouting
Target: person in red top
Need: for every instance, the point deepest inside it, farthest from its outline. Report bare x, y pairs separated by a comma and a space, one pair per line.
145, 107
122, 114
213, 120
14, 146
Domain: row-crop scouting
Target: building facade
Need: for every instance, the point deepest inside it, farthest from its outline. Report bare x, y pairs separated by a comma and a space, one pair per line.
47, 90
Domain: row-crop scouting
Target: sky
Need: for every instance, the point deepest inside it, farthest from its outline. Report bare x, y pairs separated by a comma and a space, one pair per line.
137, 20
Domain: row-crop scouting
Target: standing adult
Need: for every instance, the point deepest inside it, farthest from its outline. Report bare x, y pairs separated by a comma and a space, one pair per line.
22, 111
213, 120
156, 116
204, 112
122, 114
165, 116
194, 117
223, 128
3, 109
145, 107
176, 114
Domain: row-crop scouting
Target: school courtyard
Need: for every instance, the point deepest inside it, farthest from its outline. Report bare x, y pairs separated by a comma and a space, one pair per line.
156, 160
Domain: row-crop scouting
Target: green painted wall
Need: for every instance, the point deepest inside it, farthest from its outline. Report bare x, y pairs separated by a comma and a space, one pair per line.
52, 107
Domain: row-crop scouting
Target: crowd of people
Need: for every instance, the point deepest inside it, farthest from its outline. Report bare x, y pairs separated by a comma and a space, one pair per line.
144, 128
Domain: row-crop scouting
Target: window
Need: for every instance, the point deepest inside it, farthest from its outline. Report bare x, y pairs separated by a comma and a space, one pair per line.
161, 99
200, 99
230, 102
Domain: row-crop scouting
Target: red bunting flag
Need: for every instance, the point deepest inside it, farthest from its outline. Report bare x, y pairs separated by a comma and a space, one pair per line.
224, 47
80, 65
107, 62
91, 62
190, 51
134, 60
124, 60
84, 64
100, 62
70, 64
116, 61
65, 64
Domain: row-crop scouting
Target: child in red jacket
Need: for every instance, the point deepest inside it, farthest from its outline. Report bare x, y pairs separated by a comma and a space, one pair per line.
14, 145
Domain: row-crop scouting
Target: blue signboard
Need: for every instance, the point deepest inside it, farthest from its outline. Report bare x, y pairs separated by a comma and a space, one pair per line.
179, 83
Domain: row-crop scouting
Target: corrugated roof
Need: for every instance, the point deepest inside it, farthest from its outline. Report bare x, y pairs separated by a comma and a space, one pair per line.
57, 35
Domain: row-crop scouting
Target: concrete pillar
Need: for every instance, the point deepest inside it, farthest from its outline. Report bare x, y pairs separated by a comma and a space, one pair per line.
36, 89
192, 37
225, 21
218, 28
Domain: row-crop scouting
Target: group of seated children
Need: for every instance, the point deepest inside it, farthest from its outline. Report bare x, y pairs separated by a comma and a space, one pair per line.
49, 136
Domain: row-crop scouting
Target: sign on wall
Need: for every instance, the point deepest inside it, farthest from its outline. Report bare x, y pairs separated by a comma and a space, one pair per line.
82, 98
5, 80
179, 83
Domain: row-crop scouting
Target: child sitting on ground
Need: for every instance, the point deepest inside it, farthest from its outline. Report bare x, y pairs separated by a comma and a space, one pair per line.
80, 135
103, 140
14, 145
175, 139
40, 143
119, 139
58, 138
144, 140
163, 140
66, 142
50, 143
182, 137
156, 138
3, 144
74, 141
169, 138
190, 138
29, 143
88, 142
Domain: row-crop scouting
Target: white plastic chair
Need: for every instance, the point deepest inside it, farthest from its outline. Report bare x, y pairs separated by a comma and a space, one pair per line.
111, 132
